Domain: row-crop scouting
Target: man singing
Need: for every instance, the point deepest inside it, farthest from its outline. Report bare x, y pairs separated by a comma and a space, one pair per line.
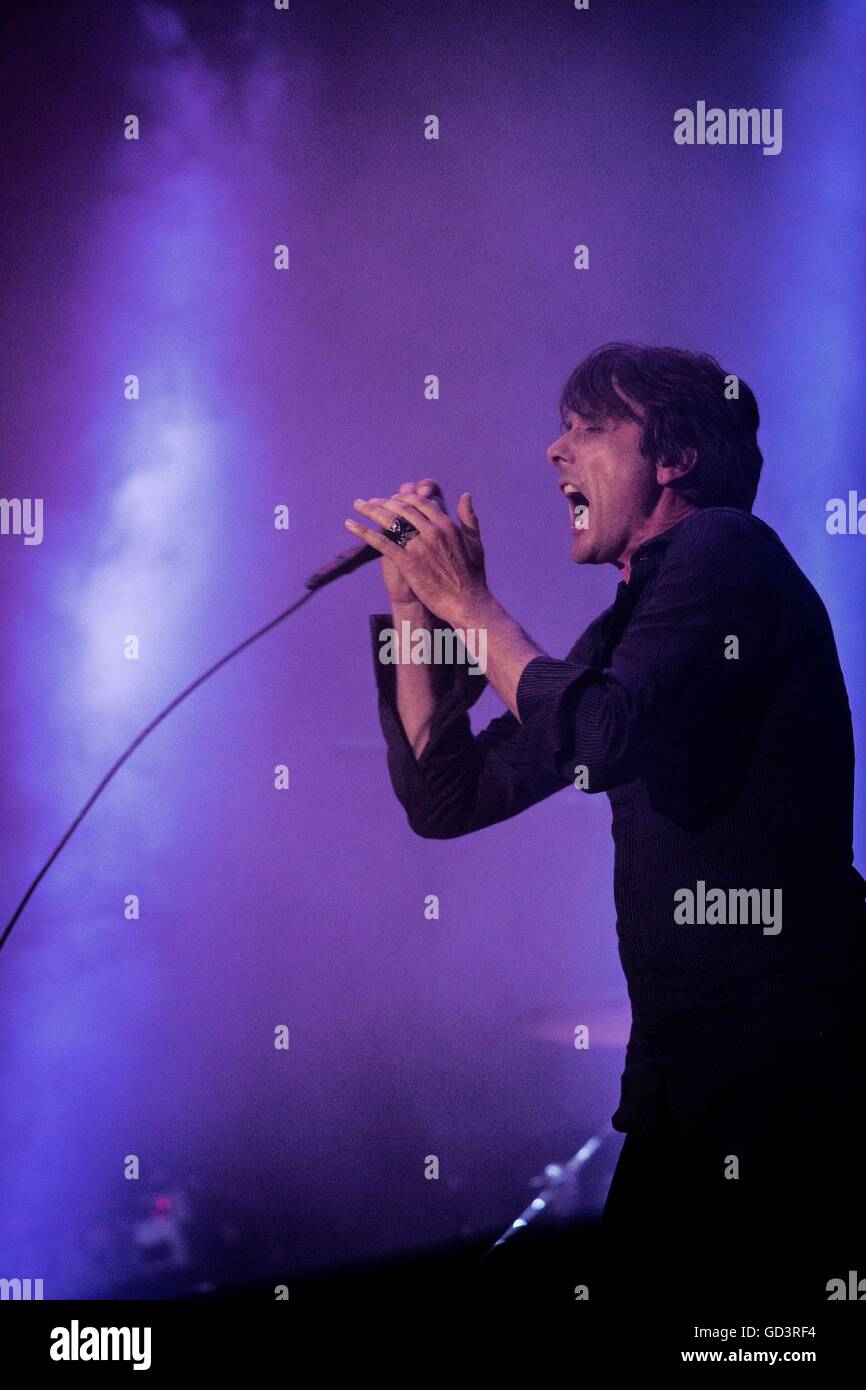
709, 704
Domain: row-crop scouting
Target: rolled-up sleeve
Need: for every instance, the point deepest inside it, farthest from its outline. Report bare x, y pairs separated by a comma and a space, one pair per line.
575, 716
462, 781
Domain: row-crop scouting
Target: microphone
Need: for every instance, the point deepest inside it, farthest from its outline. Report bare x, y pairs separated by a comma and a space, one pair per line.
356, 555
344, 563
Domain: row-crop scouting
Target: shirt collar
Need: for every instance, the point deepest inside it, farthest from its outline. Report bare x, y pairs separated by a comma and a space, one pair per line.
644, 561
656, 544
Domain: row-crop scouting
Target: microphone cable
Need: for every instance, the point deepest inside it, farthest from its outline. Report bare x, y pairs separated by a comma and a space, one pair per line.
137, 741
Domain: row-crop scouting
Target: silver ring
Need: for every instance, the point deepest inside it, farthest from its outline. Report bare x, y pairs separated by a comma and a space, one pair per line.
401, 531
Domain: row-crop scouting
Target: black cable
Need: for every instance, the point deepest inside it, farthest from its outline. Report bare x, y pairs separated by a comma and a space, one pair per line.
127, 753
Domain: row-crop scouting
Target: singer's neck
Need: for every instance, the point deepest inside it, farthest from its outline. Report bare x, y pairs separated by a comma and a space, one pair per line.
671, 511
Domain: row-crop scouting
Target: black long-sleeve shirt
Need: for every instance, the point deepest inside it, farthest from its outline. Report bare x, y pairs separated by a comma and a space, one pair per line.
708, 702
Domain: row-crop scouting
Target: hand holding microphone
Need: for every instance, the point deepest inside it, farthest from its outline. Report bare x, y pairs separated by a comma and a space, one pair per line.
357, 555
399, 591
440, 561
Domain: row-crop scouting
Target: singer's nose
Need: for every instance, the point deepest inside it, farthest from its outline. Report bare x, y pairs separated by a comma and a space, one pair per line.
554, 451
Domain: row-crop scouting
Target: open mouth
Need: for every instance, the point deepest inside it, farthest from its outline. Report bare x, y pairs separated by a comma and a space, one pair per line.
578, 505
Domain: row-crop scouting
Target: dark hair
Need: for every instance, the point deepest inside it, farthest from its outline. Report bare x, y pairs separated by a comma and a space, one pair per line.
685, 406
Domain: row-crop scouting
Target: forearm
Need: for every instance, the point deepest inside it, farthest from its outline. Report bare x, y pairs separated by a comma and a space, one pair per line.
417, 686
450, 781
508, 648
507, 651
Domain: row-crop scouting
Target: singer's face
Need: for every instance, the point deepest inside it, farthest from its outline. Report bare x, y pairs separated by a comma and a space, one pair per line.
611, 488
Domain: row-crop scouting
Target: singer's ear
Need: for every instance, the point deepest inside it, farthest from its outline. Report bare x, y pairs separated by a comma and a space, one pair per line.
676, 468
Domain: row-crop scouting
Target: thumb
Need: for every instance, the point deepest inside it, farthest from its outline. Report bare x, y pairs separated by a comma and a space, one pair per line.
466, 514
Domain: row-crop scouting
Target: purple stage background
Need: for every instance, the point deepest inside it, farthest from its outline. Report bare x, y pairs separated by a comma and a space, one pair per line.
305, 387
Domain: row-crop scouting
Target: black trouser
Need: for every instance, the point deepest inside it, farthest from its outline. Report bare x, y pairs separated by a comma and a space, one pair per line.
756, 1206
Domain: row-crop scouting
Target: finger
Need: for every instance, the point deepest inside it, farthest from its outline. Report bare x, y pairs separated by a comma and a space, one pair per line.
373, 538
424, 505
466, 514
428, 487
425, 488
374, 508
404, 506
438, 502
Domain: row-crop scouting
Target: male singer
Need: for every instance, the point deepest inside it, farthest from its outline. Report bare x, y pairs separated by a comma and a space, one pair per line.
709, 704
